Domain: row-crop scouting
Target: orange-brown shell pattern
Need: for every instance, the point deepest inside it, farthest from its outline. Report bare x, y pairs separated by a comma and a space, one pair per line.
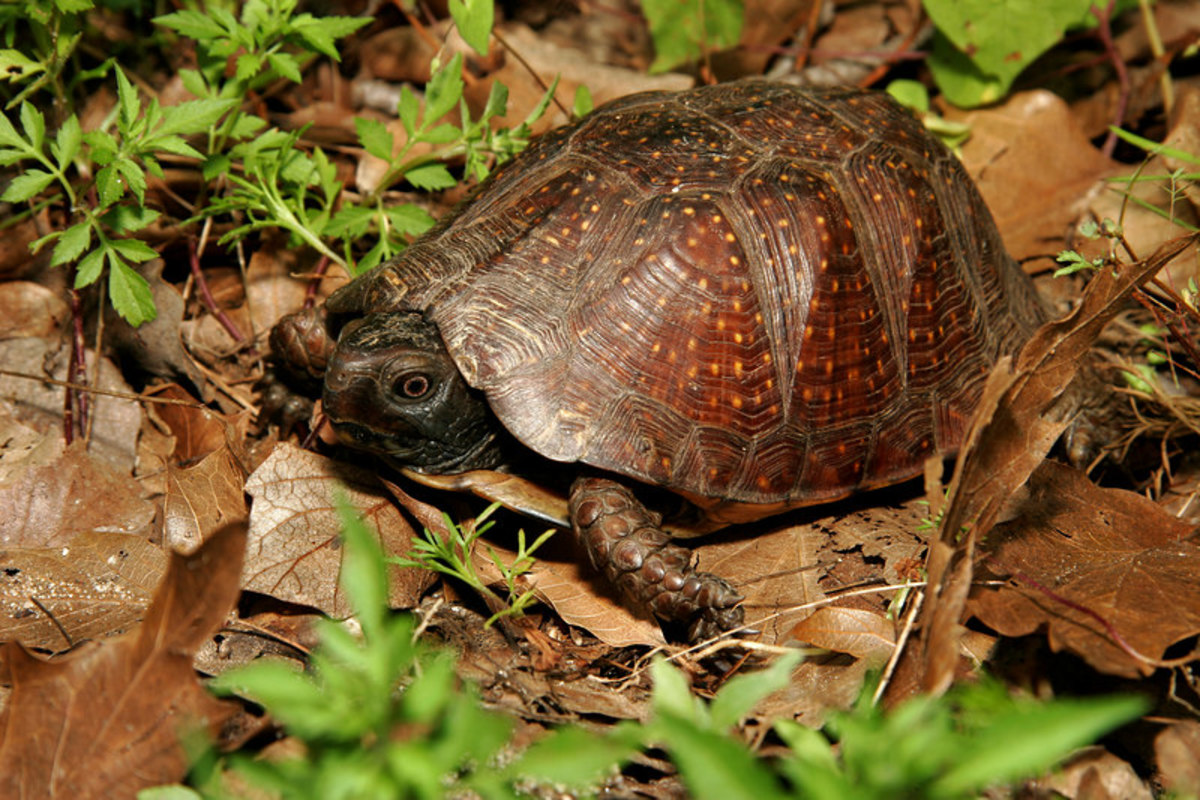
750, 293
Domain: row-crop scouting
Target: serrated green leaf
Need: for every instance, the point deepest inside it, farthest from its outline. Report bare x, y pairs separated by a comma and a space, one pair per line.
87, 271
129, 292
8, 156
126, 219
135, 178
194, 116
110, 186
286, 65
9, 136
497, 102
409, 220
430, 177
127, 99
71, 244
74, 6
26, 185
442, 134
408, 109
215, 165
193, 81
134, 249
248, 65
14, 66
444, 90
320, 33
576, 757
34, 125
474, 20
247, 125
350, 220
103, 145
170, 144
67, 142
376, 139
192, 24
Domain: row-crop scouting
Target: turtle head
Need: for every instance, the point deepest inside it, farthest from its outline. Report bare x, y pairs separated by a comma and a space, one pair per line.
391, 388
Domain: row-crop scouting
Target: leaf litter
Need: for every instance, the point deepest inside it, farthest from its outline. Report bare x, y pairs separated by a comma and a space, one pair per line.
1066, 563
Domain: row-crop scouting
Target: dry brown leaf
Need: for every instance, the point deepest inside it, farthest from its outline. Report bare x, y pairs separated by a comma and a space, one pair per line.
30, 309
571, 589
1094, 774
1177, 748
1018, 419
105, 721
115, 421
96, 586
49, 497
1109, 551
1032, 163
295, 553
854, 631
202, 499
197, 431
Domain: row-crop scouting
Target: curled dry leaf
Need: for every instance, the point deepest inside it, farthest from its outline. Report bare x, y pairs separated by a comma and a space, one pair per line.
854, 631
295, 552
97, 585
1079, 554
105, 721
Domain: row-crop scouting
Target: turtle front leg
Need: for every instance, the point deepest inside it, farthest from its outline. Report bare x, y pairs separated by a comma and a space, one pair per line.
624, 542
301, 345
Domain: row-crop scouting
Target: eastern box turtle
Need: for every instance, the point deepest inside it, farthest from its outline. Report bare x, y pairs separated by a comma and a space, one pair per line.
755, 295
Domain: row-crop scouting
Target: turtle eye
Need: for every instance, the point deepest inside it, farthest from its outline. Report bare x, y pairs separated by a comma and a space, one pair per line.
412, 385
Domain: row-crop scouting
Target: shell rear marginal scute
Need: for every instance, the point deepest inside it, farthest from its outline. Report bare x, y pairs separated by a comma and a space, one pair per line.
747, 292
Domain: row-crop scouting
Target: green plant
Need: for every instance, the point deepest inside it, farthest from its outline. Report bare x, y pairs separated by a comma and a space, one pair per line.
950, 747
452, 556
687, 31
259, 178
384, 715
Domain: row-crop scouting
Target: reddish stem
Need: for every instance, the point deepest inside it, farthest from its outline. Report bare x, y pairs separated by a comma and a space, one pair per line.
1104, 30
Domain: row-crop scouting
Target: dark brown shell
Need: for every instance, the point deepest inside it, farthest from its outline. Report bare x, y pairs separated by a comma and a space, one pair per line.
749, 293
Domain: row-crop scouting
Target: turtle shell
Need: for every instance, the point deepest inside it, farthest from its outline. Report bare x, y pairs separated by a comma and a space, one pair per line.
757, 295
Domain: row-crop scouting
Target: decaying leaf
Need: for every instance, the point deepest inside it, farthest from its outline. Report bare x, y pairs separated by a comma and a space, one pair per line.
1079, 554
50, 495
295, 552
106, 720
97, 585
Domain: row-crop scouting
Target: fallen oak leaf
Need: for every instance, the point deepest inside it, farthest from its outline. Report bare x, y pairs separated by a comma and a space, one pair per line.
105, 721
1107, 573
